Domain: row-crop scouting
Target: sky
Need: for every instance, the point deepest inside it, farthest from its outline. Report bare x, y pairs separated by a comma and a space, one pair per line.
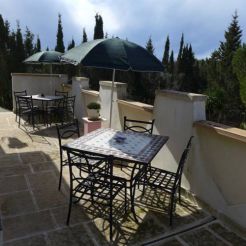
203, 22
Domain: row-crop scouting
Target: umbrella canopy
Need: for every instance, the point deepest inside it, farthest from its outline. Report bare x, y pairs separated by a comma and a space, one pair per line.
113, 53
116, 54
44, 57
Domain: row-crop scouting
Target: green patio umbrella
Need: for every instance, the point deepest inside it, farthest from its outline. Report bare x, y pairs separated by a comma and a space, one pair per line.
115, 54
45, 57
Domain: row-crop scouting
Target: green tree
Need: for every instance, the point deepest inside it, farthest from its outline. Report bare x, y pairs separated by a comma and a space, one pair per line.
165, 59
98, 30
85, 39
239, 67
59, 36
149, 46
38, 45
181, 46
171, 63
28, 43
227, 77
71, 44
19, 50
3, 35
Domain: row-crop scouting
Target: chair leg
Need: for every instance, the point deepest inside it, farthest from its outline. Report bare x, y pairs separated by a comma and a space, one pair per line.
111, 221
171, 210
19, 121
179, 193
126, 204
60, 179
70, 206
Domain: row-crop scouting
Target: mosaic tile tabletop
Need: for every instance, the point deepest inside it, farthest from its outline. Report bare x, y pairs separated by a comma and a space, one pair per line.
136, 147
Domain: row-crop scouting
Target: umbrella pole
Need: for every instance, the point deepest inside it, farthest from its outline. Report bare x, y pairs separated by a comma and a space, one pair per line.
111, 101
51, 84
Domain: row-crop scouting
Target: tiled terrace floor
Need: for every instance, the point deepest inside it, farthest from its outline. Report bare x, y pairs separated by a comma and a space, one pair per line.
33, 212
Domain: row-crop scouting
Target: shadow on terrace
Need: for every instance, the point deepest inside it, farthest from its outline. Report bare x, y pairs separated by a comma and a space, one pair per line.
33, 211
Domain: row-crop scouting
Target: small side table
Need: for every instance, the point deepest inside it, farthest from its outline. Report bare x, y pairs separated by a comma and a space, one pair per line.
92, 125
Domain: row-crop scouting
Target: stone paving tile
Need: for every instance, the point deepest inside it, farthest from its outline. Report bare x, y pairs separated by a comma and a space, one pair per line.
202, 237
14, 170
229, 236
8, 160
42, 180
27, 224
72, 236
45, 166
78, 215
62, 237
49, 198
33, 157
169, 242
80, 234
16, 203
12, 184
32, 241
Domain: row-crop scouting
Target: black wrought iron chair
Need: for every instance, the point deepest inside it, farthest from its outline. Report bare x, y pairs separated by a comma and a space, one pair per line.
64, 132
61, 93
138, 125
26, 109
18, 93
169, 182
69, 107
98, 186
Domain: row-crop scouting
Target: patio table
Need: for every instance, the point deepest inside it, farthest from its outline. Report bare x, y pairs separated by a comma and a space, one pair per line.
45, 99
138, 148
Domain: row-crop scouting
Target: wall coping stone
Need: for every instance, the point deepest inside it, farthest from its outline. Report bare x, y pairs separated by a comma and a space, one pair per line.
80, 78
228, 131
182, 95
37, 74
109, 84
90, 92
137, 105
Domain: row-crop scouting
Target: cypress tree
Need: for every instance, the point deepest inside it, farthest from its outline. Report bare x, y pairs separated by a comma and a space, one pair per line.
47, 48
165, 58
228, 79
106, 35
71, 45
149, 46
179, 65
28, 43
171, 63
59, 36
85, 39
228, 48
98, 30
38, 45
20, 50
3, 37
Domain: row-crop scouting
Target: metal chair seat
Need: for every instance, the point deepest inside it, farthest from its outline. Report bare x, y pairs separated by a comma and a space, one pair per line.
98, 186
169, 182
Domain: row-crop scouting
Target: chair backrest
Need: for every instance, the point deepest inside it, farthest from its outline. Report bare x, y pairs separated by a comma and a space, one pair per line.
85, 161
68, 130
61, 93
181, 163
19, 93
138, 125
24, 102
69, 104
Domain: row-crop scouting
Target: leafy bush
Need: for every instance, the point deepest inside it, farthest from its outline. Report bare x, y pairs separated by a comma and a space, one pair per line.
94, 105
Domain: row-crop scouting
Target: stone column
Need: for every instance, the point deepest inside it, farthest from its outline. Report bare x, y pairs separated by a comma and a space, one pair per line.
174, 114
105, 96
79, 83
